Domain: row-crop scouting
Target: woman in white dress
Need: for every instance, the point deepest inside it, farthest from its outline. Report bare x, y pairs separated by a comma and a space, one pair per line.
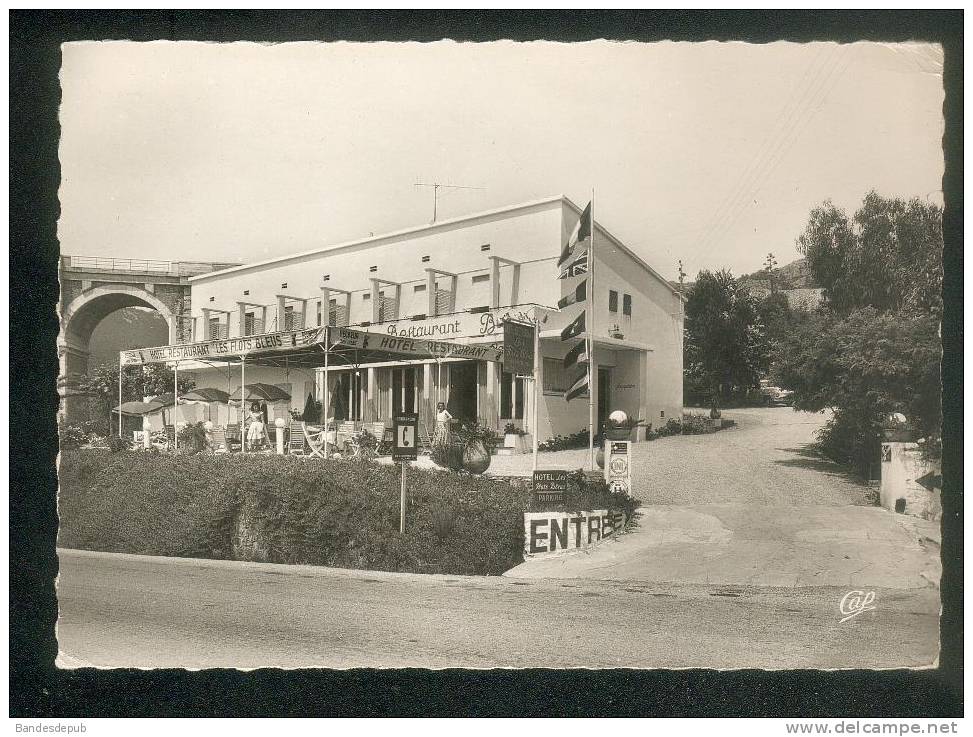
255, 432
443, 419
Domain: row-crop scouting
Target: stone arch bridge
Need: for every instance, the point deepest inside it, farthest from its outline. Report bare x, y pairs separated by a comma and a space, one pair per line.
92, 288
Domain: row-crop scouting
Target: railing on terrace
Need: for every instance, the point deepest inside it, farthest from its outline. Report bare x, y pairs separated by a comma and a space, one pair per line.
141, 265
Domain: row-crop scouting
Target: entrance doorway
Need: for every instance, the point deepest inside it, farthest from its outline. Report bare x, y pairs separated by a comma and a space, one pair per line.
604, 397
462, 391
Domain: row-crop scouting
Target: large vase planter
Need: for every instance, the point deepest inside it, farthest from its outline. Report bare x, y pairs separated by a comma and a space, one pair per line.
476, 459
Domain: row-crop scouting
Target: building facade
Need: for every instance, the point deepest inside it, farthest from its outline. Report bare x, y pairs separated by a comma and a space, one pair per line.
458, 280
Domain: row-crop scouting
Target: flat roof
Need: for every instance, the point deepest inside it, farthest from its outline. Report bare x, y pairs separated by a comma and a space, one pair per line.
384, 236
442, 224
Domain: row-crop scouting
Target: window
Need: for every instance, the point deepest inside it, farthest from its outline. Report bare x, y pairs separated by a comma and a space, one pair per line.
612, 301
246, 292
248, 324
373, 269
478, 278
557, 380
419, 288
326, 277
283, 285
404, 389
319, 313
289, 317
366, 295
485, 247
214, 327
511, 397
627, 305
425, 259
347, 398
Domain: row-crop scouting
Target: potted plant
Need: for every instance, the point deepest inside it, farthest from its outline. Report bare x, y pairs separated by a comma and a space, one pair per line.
513, 437
478, 443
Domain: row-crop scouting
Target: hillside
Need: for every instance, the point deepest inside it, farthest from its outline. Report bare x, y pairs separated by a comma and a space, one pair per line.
133, 327
794, 275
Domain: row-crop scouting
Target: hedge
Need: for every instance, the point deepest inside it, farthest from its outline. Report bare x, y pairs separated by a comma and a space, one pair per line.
289, 510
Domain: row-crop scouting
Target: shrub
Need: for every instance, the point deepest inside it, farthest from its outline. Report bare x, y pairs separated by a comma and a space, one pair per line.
192, 437
289, 510
116, 444
565, 442
695, 425
72, 436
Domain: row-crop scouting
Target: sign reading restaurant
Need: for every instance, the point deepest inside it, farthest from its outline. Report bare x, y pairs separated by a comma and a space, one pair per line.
455, 325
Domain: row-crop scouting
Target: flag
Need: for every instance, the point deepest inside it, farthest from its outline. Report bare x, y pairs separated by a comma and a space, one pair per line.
582, 230
578, 388
580, 295
577, 267
574, 329
578, 354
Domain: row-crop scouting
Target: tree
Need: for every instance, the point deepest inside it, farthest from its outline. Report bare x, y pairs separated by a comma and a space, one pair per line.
726, 346
863, 366
873, 349
776, 315
137, 382
890, 256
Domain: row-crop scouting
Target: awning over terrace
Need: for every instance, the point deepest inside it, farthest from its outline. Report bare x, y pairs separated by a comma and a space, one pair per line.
313, 348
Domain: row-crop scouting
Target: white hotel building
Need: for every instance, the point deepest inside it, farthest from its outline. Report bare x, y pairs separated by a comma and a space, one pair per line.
456, 280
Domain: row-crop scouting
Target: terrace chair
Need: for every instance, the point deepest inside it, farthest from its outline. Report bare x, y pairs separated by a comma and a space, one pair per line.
296, 444
377, 429
233, 438
425, 439
218, 435
346, 431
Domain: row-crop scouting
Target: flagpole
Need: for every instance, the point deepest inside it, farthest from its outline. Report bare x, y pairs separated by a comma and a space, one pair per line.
534, 384
590, 337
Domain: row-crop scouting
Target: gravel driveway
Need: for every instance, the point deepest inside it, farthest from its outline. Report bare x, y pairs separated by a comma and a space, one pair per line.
764, 459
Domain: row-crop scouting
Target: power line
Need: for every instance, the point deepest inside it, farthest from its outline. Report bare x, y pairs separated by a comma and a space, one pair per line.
797, 92
797, 121
784, 145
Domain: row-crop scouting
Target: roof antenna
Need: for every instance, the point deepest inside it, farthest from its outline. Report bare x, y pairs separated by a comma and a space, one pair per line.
435, 193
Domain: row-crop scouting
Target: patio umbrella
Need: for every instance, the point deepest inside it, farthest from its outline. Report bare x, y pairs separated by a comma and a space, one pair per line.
261, 393
136, 409
206, 394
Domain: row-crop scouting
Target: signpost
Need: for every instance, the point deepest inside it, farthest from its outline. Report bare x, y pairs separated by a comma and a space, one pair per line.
405, 449
618, 465
550, 486
518, 348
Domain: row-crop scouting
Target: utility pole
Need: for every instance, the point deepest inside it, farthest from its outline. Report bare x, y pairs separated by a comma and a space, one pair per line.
436, 186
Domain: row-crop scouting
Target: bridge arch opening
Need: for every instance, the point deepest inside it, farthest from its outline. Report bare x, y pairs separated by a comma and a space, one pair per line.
79, 322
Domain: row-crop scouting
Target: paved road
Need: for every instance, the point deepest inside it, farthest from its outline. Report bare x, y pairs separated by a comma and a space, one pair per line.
135, 611
854, 547
750, 505
765, 459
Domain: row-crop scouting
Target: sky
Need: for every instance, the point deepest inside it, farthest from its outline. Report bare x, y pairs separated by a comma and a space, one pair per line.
709, 153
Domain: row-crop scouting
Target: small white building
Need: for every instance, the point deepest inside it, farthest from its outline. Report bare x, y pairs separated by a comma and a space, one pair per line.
457, 280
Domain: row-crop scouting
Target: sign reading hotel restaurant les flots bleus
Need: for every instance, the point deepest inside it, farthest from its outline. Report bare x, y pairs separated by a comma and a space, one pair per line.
459, 325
